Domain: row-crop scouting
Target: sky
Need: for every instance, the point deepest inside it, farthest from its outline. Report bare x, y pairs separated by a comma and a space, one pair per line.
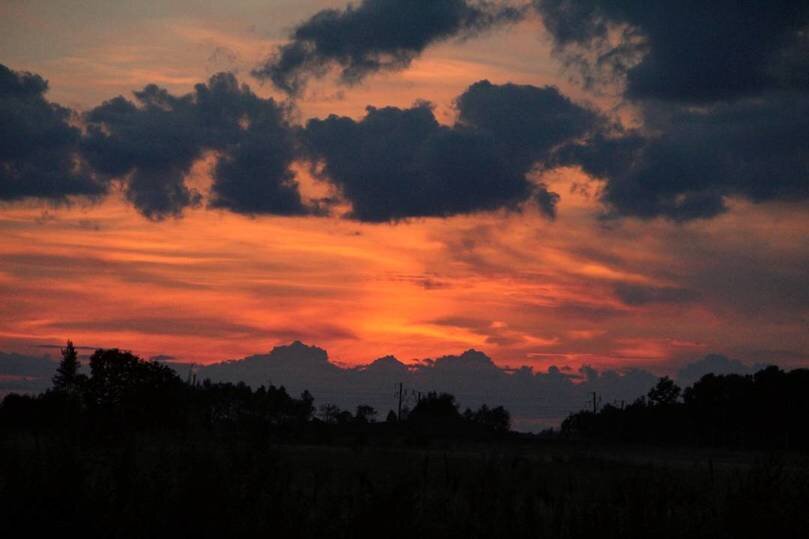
563, 182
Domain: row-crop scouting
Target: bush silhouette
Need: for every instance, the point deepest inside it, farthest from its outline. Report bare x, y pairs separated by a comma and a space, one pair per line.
435, 408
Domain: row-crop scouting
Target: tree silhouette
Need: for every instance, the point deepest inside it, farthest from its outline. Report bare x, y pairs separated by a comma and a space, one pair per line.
365, 414
497, 419
125, 388
306, 407
67, 372
664, 393
331, 413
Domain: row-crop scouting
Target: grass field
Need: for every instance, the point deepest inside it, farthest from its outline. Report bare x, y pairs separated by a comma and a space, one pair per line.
236, 487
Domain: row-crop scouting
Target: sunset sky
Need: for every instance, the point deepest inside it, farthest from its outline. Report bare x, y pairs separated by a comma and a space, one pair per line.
620, 193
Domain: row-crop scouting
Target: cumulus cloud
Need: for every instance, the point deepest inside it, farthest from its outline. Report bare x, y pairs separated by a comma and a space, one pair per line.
397, 163
376, 35
527, 121
689, 161
153, 142
39, 155
722, 92
392, 164
254, 175
682, 163
686, 51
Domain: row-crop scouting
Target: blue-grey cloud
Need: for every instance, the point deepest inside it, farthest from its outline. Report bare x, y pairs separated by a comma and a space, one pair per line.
528, 122
376, 35
393, 164
398, 163
39, 154
152, 144
682, 163
686, 51
723, 94
687, 162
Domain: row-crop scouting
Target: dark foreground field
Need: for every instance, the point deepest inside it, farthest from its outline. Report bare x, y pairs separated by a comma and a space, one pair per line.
133, 451
165, 485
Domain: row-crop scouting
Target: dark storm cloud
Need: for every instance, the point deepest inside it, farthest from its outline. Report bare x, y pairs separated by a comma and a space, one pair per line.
691, 160
376, 35
723, 92
690, 51
392, 164
527, 121
38, 146
682, 163
398, 163
153, 143
254, 176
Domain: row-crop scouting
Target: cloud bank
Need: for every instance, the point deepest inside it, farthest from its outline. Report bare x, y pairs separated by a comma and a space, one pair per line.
392, 164
536, 400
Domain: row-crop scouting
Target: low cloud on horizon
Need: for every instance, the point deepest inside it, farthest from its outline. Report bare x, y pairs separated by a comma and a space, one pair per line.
536, 399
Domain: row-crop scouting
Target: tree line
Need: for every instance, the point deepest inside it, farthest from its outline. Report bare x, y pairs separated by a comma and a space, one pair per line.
767, 409
125, 392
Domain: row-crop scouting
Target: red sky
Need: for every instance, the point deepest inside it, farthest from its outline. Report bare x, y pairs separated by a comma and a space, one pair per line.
215, 285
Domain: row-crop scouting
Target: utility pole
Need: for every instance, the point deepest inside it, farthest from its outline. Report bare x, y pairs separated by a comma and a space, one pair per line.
595, 403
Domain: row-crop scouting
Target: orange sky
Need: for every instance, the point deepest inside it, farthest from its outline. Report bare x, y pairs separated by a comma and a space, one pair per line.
215, 285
